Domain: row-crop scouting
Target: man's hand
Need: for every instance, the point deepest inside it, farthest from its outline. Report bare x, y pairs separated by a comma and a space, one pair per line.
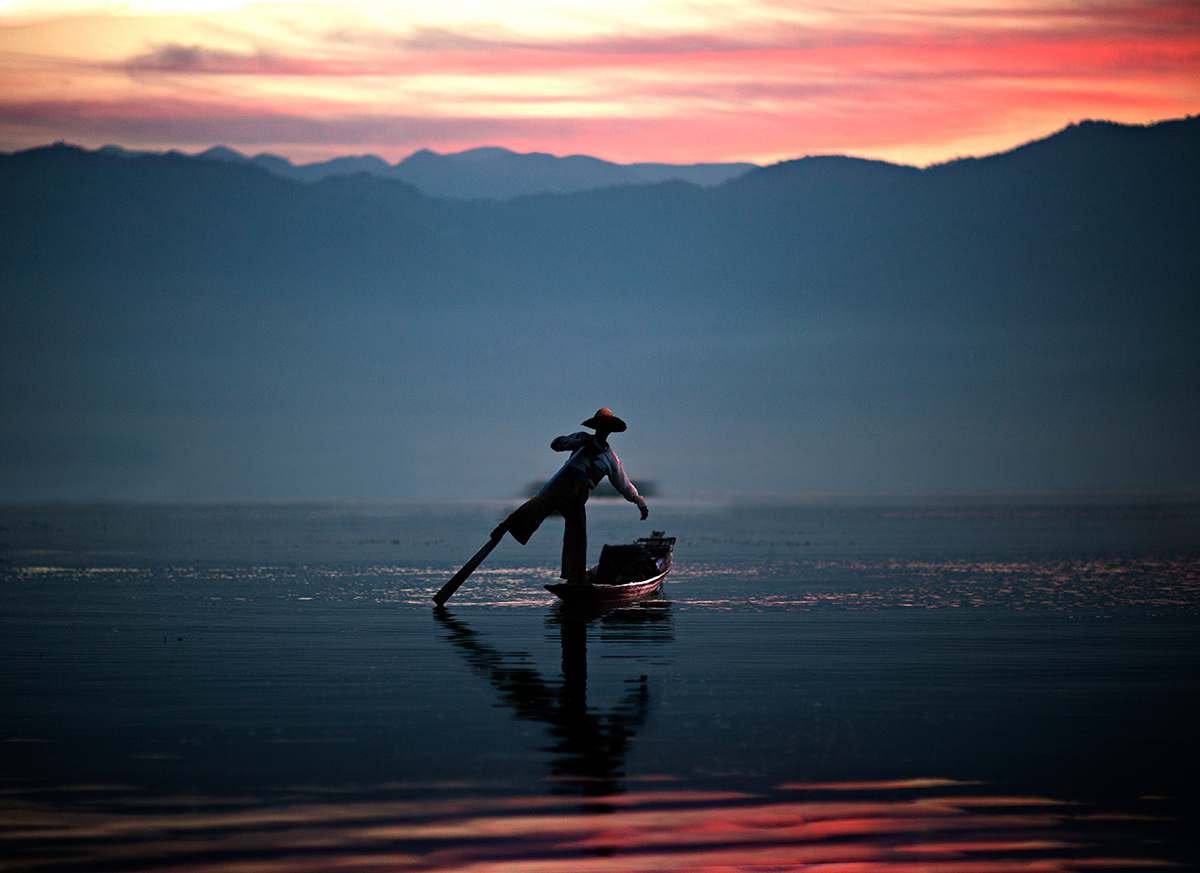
644, 510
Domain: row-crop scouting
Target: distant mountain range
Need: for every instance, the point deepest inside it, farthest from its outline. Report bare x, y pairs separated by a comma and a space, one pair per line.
484, 173
179, 327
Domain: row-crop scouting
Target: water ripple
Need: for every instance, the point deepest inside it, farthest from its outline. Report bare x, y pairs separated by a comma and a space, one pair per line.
925, 824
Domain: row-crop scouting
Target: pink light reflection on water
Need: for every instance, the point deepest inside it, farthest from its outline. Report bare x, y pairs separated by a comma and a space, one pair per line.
892, 827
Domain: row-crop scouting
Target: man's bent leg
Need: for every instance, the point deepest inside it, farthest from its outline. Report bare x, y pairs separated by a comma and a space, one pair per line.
525, 519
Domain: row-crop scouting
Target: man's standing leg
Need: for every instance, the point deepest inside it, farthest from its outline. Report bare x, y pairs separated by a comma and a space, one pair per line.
574, 556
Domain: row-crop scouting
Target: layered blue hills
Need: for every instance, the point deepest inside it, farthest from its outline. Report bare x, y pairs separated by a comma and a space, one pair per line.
489, 173
185, 328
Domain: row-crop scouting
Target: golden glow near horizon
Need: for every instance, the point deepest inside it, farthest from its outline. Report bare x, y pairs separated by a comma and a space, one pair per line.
676, 81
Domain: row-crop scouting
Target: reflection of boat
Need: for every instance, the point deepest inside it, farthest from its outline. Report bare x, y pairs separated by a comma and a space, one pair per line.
624, 573
641, 621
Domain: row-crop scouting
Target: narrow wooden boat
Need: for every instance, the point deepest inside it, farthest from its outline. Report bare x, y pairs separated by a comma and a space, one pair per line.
624, 573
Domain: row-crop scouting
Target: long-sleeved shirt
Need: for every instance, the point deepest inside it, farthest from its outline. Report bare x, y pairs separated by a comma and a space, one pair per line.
591, 461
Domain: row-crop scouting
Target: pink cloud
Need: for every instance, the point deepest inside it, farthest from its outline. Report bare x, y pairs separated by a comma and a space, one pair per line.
868, 124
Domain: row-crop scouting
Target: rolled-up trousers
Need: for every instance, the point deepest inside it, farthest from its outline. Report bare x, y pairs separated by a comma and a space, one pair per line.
566, 495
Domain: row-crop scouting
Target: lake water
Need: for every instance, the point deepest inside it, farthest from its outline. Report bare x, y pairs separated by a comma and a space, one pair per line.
881, 685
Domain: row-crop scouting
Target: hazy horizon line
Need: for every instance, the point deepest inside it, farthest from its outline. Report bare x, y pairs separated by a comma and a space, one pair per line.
221, 146
1145, 496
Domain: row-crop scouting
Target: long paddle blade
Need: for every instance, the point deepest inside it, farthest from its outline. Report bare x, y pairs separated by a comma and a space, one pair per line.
458, 578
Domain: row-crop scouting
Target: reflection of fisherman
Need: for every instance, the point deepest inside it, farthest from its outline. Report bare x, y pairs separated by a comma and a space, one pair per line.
589, 743
591, 460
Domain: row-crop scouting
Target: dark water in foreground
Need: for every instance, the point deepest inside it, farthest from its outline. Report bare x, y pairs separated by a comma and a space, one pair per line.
945, 687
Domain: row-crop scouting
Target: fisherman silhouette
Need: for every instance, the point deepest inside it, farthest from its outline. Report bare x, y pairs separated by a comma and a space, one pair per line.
592, 459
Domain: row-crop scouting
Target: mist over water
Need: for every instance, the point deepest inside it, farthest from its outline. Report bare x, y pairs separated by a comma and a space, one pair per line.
956, 685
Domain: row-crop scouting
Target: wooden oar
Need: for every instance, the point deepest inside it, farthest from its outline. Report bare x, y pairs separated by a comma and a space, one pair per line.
461, 576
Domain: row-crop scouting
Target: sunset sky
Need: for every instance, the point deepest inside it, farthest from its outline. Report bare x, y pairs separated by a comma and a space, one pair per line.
675, 81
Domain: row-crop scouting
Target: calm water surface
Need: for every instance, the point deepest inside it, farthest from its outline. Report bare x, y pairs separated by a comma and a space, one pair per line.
883, 686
